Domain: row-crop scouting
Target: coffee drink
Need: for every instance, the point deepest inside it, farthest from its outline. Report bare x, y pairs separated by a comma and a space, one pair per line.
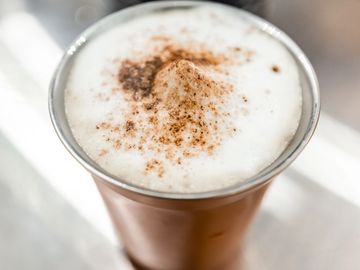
184, 101
184, 112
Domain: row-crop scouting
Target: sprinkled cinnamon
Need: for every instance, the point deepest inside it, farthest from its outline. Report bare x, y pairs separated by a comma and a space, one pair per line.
275, 68
176, 110
129, 126
138, 77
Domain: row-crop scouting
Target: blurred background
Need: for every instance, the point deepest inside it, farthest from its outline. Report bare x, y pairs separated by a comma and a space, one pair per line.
51, 216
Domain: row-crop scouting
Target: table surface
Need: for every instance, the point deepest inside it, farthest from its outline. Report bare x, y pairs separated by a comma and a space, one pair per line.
51, 216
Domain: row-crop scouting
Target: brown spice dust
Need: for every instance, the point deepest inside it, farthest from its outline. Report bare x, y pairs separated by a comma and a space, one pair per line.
176, 110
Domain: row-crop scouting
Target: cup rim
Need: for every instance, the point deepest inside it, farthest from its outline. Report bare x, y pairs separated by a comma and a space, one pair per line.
261, 178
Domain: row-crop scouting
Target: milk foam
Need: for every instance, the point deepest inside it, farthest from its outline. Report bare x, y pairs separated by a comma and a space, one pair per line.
241, 83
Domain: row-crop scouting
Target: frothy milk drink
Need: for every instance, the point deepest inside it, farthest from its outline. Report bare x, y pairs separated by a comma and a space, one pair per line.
178, 106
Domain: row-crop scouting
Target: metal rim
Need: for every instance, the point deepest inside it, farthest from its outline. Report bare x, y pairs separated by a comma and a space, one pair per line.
256, 180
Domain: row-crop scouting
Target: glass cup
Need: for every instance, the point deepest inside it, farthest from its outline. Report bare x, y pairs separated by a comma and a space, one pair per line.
162, 230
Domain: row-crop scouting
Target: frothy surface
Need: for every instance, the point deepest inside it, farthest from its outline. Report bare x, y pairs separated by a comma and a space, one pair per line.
184, 101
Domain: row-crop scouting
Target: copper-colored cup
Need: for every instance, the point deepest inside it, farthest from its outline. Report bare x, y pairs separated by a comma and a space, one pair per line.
175, 231
181, 234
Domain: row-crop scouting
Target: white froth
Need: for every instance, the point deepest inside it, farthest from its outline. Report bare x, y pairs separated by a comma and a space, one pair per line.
264, 107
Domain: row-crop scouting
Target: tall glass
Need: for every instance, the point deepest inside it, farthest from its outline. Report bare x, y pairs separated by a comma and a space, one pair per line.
162, 230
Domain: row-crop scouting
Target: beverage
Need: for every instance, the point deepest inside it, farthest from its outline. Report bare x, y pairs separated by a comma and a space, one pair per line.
184, 112
173, 109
